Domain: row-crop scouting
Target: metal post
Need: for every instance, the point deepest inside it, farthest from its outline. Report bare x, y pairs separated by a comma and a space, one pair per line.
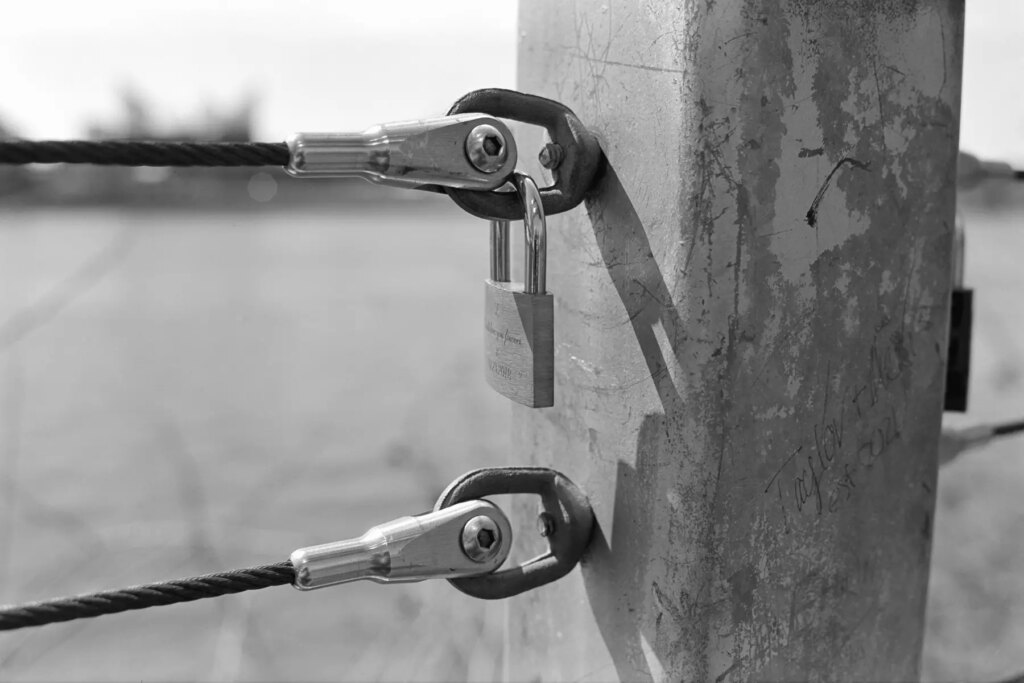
751, 322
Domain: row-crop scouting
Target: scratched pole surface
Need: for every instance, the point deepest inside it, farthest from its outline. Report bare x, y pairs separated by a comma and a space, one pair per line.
750, 329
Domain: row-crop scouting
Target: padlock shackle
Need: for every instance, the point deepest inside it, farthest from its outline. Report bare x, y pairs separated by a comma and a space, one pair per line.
535, 230
501, 270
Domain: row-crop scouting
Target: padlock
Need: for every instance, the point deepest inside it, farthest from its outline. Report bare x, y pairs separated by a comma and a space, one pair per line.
519, 318
961, 315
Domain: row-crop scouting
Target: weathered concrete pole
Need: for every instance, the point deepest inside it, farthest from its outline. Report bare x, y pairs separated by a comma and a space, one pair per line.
750, 329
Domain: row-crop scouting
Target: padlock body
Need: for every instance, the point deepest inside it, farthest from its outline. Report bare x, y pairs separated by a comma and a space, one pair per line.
958, 366
519, 343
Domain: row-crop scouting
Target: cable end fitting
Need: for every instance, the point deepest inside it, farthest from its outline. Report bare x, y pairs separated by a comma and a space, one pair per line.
468, 539
469, 152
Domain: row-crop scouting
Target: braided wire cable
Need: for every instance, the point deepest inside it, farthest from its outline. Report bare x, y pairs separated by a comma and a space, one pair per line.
142, 153
141, 597
1008, 428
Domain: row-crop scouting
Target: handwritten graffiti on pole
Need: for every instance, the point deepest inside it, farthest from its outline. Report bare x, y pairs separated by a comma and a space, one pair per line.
854, 433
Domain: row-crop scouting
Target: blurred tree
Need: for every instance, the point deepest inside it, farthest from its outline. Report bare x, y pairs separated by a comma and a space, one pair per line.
13, 179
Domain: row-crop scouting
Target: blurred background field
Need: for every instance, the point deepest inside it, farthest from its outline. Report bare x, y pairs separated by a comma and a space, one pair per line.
193, 390
204, 371
976, 592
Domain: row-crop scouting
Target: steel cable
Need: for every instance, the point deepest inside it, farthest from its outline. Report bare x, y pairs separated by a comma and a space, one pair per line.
141, 597
1008, 428
142, 153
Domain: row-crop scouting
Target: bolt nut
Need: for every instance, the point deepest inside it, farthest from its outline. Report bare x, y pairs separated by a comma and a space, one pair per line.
551, 156
545, 524
481, 538
486, 148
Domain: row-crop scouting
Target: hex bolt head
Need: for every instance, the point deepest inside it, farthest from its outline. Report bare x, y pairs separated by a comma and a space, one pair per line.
481, 538
486, 148
551, 156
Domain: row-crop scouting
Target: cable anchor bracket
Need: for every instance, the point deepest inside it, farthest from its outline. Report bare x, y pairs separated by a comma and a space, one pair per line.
566, 521
573, 156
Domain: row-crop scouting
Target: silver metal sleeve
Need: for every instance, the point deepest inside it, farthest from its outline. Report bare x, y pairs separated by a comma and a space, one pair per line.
338, 155
407, 549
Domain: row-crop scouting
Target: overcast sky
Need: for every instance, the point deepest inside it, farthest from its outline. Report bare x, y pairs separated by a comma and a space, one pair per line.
321, 65
315, 65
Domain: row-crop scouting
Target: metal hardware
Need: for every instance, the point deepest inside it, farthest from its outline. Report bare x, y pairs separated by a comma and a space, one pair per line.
953, 442
574, 175
545, 524
535, 228
426, 546
519, 319
961, 314
536, 235
551, 156
481, 538
500, 262
464, 539
486, 148
569, 510
441, 152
